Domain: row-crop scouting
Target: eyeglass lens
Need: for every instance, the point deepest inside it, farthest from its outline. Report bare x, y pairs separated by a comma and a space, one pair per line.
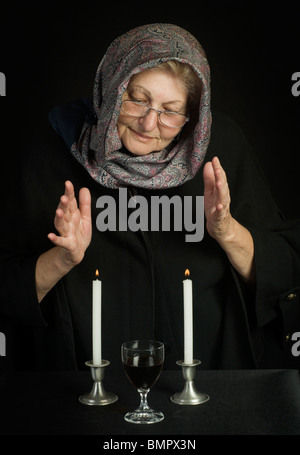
171, 119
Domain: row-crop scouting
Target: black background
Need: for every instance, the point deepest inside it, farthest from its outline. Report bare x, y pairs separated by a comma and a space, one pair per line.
50, 53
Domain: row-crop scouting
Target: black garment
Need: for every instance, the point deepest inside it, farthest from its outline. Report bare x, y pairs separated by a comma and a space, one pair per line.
142, 272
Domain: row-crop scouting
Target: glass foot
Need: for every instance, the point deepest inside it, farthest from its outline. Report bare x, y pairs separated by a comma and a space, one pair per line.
149, 416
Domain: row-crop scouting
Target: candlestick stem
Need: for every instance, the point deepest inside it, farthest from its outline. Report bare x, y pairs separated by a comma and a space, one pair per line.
98, 395
189, 394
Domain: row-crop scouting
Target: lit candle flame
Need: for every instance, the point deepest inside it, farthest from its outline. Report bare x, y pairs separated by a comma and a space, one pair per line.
97, 273
187, 273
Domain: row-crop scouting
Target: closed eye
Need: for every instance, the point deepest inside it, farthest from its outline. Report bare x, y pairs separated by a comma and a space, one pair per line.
137, 100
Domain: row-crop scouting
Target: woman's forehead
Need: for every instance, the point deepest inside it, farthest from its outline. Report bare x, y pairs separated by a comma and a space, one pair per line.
152, 83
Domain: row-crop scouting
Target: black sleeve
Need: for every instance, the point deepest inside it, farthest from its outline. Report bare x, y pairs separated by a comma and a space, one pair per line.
31, 198
37, 333
276, 240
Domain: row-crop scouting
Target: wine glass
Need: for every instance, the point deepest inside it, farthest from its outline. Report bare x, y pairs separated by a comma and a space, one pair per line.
143, 361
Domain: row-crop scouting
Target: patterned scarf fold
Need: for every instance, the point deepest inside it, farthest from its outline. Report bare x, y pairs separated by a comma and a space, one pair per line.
142, 48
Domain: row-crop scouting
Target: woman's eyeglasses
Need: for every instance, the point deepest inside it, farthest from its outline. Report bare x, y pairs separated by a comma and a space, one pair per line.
167, 118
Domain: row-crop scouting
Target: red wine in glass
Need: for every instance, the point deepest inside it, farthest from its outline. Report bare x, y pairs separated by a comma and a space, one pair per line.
143, 372
143, 362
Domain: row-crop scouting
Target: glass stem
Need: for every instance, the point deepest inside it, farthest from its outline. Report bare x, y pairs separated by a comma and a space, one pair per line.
144, 403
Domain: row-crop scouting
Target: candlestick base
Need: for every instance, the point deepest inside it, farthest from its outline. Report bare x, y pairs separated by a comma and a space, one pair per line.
98, 395
189, 394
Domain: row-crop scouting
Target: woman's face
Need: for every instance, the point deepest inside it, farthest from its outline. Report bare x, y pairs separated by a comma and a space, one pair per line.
159, 90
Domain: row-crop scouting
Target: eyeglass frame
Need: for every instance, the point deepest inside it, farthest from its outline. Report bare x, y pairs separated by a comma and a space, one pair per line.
156, 110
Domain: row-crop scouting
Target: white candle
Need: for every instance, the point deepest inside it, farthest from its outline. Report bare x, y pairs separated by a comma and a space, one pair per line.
188, 318
97, 320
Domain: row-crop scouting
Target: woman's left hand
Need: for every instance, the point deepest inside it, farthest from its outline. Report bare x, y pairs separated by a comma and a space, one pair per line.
217, 201
235, 239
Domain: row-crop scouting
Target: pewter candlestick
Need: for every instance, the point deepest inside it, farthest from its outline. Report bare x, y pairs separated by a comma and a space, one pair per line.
98, 395
189, 394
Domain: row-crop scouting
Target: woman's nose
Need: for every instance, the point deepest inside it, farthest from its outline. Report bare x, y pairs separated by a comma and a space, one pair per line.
149, 121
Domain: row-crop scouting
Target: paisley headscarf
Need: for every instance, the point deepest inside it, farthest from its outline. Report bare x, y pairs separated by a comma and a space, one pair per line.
139, 49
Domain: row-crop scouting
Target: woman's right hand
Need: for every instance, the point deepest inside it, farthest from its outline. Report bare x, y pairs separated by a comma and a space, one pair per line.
73, 223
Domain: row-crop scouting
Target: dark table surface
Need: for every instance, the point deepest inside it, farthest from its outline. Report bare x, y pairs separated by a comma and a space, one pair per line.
247, 402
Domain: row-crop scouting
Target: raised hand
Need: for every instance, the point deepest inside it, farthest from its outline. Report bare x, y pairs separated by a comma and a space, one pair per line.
234, 238
217, 201
73, 223
74, 226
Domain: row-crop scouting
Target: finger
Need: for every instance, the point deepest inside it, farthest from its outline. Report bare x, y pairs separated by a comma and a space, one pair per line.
209, 176
85, 202
60, 219
67, 202
70, 194
221, 184
57, 240
63, 209
218, 170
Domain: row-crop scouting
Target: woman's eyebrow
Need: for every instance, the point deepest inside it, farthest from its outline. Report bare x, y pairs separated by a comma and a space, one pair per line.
138, 88
143, 90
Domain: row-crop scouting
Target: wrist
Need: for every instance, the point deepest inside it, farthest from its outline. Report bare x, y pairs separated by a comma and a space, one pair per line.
239, 247
228, 236
51, 266
62, 260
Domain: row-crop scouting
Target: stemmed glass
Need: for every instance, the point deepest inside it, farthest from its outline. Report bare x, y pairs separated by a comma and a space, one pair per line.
143, 361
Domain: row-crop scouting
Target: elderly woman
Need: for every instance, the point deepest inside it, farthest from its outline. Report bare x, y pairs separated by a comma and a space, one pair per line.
150, 131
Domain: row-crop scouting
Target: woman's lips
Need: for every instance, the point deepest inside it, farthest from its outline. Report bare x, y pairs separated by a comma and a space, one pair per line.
142, 137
